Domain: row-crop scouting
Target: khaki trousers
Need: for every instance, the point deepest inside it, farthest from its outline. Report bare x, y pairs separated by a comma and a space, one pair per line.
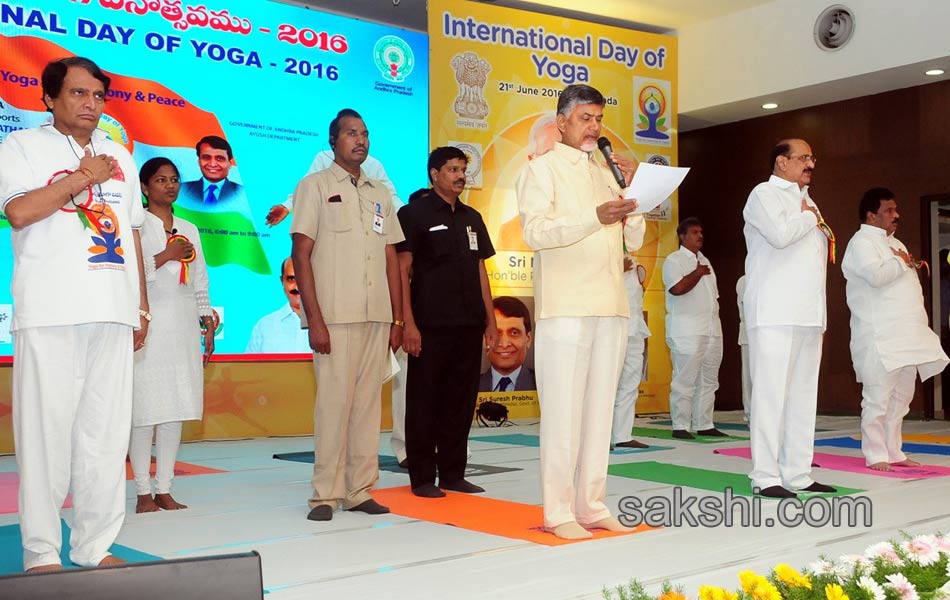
347, 414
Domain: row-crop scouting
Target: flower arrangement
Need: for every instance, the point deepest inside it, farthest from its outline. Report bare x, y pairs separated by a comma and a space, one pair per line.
915, 568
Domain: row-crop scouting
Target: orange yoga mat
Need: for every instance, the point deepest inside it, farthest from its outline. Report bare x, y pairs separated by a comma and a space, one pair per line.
927, 438
478, 513
182, 469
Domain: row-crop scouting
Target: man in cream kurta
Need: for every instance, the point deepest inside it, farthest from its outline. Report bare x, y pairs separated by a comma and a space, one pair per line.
693, 333
785, 318
573, 218
628, 387
890, 339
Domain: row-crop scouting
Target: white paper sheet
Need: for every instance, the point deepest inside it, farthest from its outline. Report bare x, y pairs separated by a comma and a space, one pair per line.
652, 184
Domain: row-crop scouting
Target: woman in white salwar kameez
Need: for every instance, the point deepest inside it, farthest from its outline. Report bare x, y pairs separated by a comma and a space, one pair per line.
168, 373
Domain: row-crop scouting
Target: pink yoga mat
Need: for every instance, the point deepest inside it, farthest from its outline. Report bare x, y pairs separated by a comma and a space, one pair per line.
854, 464
9, 488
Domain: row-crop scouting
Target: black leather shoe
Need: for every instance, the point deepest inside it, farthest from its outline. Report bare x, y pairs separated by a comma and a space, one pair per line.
819, 487
370, 507
428, 490
712, 432
682, 434
462, 486
631, 444
323, 512
775, 491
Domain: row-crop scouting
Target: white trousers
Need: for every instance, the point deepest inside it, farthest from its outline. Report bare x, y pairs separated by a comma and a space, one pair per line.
167, 440
578, 362
628, 390
785, 362
72, 412
398, 439
885, 401
746, 381
696, 361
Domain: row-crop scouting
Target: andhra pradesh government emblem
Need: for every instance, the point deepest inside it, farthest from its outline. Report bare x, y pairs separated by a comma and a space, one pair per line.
394, 58
471, 74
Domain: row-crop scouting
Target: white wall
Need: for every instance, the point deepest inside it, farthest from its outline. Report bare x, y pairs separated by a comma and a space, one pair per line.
770, 48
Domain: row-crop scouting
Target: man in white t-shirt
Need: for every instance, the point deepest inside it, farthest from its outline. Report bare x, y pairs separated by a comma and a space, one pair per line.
73, 200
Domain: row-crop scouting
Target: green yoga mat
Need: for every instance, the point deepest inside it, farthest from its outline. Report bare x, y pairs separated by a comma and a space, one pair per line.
702, 479
666, 434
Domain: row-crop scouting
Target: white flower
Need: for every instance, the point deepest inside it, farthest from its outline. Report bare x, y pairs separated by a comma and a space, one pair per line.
883, 551
942, 592
821, 567
904, 588
856, 562
873, 588
943, 543
922, 549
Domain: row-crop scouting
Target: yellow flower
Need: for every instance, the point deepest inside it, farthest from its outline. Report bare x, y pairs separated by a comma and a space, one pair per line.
709, 592
747, 580
833, 591
671, 595
764, 590
791, 577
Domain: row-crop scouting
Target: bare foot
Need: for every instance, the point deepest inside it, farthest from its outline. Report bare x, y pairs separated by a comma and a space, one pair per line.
906, 463
880, 466
111, 561
166, 502
570, 531
145, 504
45, 569
609, 523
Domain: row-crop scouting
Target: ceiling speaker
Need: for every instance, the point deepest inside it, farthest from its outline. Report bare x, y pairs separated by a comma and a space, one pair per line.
834, 27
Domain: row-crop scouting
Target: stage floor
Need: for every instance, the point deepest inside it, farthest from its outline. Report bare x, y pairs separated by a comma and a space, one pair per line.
241, 499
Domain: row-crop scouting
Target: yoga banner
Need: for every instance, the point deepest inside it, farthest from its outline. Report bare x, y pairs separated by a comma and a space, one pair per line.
495, 76
264, 76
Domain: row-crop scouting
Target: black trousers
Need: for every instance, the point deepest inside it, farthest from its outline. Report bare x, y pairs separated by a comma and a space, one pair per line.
441, 389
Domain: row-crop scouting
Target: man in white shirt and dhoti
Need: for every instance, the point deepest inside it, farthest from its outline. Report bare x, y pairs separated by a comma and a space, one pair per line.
788, 250
891, 341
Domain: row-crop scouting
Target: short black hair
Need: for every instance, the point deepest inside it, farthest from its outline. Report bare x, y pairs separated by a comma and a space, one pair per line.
783, 148
576, 94
420, 193
55, 73
513, 308
283, 266
442, 155
335, 123
216, 142
871, 202
686, 223
152, 165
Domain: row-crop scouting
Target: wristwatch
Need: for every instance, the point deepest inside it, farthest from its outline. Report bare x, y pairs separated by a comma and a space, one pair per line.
145, 315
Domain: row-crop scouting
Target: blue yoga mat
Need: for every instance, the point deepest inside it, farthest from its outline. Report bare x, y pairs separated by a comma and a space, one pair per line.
11, 551
849, 442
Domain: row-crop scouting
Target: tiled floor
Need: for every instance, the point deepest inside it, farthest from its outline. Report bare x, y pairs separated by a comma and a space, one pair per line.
259, 503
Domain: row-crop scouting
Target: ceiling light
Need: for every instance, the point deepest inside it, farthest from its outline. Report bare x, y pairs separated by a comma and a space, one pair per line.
770, 106
934, 72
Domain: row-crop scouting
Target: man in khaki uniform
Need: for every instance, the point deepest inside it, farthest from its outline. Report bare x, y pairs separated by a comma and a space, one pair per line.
344, 235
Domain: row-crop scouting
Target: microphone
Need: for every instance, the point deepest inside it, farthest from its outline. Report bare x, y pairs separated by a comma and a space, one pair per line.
604, 144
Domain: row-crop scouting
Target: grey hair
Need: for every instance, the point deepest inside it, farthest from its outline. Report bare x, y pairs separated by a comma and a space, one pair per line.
576, 94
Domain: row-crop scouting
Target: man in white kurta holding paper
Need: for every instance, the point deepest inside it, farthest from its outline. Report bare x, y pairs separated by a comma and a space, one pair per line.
891, 341
788, 252
573, 218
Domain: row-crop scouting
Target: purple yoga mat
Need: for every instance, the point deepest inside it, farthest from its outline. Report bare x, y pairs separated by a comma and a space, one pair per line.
854, 464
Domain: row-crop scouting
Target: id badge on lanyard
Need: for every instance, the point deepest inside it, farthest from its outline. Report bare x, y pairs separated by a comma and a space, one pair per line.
378, 219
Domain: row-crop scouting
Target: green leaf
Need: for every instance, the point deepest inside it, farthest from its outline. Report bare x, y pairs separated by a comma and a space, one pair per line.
659, 122
83, 219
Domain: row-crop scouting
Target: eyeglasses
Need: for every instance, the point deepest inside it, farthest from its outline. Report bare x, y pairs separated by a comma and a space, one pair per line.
804, 158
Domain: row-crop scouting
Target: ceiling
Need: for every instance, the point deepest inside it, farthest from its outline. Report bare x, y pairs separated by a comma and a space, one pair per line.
663, 16
660, 16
